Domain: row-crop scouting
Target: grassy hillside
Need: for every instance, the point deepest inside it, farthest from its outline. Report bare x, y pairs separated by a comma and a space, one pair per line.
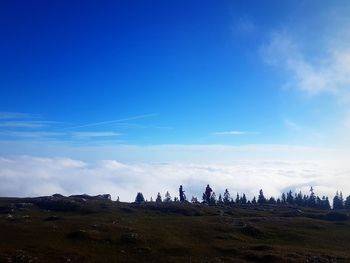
57, 229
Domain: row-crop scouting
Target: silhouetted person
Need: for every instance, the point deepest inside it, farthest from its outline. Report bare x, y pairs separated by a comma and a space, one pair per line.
182, 194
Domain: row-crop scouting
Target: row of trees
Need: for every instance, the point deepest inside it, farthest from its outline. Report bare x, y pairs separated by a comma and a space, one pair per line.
210, 198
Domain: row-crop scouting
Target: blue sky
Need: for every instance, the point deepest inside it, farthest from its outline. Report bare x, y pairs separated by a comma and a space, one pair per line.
154, 73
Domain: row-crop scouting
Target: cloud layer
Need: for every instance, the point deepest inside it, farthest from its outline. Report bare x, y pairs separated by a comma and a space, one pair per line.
32, 176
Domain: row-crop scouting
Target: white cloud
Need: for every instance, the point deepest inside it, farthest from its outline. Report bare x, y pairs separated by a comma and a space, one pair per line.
25, 124
87, 135
328, 72
16, 115
233, 133
30, 134
31, 176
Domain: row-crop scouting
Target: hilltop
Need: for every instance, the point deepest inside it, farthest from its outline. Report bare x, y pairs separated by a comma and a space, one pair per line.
96, 229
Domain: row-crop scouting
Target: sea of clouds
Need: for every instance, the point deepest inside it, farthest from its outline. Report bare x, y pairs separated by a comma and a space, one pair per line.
35, 176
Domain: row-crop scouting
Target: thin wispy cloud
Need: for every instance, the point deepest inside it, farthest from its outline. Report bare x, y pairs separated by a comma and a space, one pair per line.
16, 115
12, 128
26, 124
329, 72
94, 124
89, 135
233, 133
31, 134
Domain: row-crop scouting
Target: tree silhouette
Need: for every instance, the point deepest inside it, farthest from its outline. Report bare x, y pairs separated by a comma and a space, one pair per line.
207, 194
325, 203
254, 200
227, 197
159, 198
261, 197
167, 197
347, 203
139, 198
312, 198
194, 200
220, 202
299, 199
237, 199
243, 200
338, 202
283, 198
290, 198
213, 200
210, 198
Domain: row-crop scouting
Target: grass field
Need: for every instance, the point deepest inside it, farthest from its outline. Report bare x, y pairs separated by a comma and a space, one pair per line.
75, 230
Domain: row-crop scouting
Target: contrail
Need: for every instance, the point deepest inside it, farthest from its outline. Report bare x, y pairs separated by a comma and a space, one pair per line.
113, 121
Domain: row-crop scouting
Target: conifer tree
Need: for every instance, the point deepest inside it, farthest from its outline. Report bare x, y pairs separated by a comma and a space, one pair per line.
237, 199
254, 200
312, 198
272, 200
283, 198
227, 197
325, 203
213, 200
243, 199
261, 197
290, 198
194, 200
338, 202
207, 194
299, 199
139, 198
167, 197
220, 201
204, 198
159, 198
347, 203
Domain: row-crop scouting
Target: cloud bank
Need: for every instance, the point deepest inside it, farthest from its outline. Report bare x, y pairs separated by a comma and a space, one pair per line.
33, 176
